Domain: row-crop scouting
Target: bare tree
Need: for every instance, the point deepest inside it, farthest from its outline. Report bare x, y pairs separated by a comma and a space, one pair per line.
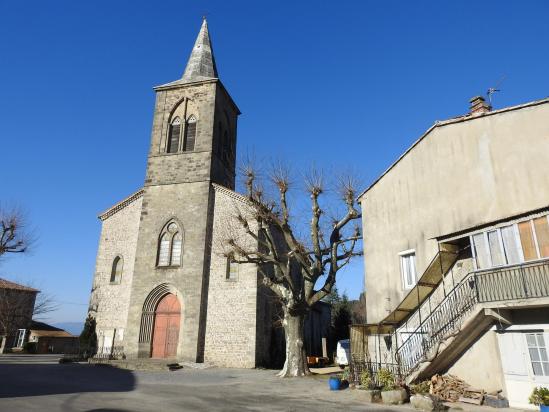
14, 236
291, 267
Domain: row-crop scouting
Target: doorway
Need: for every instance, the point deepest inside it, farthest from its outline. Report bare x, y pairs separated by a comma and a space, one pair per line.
167, 318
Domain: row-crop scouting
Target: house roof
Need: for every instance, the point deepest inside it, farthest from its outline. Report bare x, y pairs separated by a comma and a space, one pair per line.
43, 329
6, 284
454, 120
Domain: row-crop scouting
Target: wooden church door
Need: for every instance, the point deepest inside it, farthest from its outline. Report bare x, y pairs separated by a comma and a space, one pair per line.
167, 318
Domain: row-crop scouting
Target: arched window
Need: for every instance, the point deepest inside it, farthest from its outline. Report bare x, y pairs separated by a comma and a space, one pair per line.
173, 138
190, 134
116, 271
231, 270
164, 250
176, 250
170, 245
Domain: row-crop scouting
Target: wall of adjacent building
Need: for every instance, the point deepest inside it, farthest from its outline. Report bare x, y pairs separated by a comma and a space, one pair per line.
109, 302
480, 364
460, 175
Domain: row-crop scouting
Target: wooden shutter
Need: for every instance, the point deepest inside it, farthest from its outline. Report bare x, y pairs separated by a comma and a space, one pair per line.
527, 241
190, 136
541, 226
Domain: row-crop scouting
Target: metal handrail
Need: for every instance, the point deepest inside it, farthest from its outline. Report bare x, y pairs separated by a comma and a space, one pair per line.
522, 281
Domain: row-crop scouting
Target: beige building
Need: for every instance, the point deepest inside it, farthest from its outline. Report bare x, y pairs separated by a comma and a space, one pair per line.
457, 251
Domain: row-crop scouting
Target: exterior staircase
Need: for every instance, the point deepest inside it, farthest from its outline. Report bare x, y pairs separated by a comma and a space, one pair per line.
467, 312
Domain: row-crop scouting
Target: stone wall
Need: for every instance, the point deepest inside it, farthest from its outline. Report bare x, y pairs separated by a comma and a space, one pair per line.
109, 301
231, 319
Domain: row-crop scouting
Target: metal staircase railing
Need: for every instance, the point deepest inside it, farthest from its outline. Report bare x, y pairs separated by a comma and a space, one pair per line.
523, 281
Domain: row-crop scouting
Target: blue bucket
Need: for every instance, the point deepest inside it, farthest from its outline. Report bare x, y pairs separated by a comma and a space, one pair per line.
544, 408
335, 383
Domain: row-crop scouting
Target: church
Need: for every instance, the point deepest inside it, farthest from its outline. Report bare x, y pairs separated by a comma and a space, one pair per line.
160, 289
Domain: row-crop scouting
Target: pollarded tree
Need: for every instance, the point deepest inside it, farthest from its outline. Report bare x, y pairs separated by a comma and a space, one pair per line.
300, 272
14, 237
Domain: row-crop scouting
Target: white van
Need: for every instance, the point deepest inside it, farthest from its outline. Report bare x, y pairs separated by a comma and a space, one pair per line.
343, 353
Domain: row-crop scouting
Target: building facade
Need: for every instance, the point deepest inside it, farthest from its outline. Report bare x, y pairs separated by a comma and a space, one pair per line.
457, 268
16, 310
162, 289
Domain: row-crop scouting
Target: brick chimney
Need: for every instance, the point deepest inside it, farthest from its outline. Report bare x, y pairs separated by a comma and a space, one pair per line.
479, 105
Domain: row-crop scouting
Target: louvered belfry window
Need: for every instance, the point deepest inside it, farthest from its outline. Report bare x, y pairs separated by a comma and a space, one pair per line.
190, 134
173, 139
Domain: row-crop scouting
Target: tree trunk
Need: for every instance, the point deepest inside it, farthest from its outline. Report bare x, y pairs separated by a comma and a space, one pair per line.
296, 359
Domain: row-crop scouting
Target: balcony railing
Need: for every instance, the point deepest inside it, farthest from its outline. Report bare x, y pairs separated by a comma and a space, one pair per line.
524, 281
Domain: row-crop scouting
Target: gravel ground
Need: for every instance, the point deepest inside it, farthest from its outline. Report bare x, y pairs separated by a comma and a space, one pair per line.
81, 387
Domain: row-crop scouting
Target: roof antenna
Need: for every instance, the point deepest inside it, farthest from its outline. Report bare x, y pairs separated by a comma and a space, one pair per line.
494, 89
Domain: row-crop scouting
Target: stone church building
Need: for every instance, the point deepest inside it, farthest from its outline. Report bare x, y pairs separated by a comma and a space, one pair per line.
160, 290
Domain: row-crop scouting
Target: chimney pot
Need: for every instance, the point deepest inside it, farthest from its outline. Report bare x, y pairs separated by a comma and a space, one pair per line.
479, 105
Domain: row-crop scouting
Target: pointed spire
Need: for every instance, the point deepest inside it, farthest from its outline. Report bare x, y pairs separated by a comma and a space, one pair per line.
201, 64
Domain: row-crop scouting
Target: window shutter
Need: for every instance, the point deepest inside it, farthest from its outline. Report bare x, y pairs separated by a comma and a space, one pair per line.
510, 245
190, 136
527, 241
541, 226
173, 142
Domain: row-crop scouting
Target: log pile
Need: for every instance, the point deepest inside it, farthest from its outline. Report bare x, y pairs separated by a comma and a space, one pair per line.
452, 389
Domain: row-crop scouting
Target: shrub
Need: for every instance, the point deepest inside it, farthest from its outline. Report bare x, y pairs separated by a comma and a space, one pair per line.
366, 380
346, 375
539, 396
386, 379
421, 388
29, 347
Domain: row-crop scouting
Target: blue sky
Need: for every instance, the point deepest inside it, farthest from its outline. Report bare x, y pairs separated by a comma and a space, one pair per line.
348, 84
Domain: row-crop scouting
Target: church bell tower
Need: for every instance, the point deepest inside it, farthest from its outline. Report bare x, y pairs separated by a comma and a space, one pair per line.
193, 145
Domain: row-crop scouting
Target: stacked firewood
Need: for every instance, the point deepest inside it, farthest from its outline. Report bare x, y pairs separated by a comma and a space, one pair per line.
452, 389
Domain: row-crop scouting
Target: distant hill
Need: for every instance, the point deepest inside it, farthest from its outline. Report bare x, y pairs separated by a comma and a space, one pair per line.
74, 328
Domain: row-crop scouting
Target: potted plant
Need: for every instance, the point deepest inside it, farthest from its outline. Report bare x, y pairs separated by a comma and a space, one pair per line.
335, 382
540, 396
372, 394
391, 392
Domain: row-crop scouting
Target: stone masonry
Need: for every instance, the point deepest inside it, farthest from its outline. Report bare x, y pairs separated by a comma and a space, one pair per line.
226, 322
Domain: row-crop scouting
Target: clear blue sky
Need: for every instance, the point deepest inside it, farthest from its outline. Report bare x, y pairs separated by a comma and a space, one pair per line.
347, 83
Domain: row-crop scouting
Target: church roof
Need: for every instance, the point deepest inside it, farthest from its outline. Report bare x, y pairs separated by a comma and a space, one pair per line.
201, 64
120, 205
235, 195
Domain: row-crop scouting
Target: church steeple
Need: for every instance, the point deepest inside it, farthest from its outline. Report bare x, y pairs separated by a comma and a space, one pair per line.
201, 64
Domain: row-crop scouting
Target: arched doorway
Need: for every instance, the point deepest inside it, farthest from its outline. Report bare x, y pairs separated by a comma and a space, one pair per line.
167, 318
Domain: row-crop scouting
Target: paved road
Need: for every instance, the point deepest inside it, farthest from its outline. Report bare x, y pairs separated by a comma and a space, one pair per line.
46, 386
28, 359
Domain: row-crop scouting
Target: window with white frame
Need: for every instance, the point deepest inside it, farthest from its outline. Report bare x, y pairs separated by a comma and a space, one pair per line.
408, 268
512, 244
538, 354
